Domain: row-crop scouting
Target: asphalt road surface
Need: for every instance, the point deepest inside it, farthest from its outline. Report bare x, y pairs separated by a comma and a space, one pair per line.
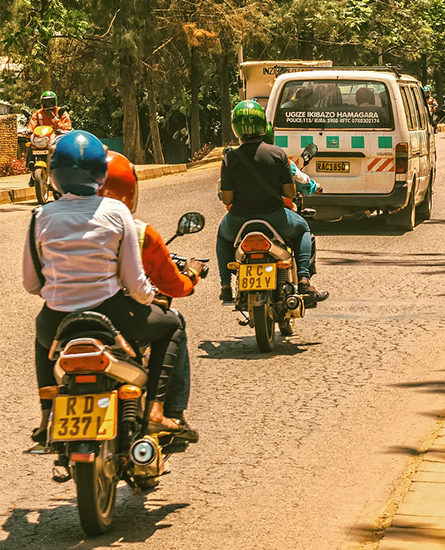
303, 448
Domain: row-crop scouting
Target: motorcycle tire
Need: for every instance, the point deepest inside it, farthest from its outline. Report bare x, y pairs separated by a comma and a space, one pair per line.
96, 492
264, 327
286, 326
41, 185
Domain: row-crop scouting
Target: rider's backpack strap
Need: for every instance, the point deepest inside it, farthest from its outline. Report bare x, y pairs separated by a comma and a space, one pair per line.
257, 175
33, 248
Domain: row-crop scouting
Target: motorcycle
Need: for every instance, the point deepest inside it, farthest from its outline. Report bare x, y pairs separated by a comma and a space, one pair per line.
267, 282
99, 418
42, 142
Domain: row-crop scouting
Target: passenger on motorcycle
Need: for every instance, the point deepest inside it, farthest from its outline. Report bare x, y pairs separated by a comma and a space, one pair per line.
122, 184
87, 250
48, 115
250, 200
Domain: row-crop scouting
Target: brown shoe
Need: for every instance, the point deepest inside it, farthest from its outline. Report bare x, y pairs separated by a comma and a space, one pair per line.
311, 296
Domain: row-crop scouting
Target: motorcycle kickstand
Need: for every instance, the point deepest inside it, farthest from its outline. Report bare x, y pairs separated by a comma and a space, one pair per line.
245, 322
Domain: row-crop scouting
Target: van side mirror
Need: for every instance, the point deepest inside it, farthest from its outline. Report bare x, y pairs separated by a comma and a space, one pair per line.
438, 116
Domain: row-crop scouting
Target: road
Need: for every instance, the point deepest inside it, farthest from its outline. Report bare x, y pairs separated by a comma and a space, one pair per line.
305, 448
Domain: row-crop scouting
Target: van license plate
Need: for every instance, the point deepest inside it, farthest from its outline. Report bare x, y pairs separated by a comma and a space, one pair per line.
257, 277
92, 417
336, 167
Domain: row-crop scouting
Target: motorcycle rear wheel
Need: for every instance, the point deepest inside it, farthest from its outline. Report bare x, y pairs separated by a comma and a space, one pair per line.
42, 185
96, 492
264, 327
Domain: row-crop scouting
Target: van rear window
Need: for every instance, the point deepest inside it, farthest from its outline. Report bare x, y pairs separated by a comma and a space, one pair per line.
343, 104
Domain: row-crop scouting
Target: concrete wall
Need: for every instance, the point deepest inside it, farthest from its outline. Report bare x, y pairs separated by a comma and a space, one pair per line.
8, 138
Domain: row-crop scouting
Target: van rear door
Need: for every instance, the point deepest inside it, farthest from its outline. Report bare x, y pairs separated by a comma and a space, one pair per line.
351, 121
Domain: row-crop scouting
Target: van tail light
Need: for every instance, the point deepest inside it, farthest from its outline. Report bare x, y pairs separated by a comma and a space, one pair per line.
255, 243
402, 158
84, 358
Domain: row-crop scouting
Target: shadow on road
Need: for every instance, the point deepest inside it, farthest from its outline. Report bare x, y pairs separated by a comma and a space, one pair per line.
245, 347
55, 528
359, 257
410, 533
372, 226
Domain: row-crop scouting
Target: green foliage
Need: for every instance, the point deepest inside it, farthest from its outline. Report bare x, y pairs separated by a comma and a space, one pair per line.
87, 50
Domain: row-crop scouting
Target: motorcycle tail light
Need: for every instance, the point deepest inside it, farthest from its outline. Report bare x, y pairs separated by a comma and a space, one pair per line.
402, 158
255, 243
82, 457
84, 357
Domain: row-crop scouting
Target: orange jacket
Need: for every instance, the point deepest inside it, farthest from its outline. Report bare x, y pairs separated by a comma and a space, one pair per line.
42, 118
159, 266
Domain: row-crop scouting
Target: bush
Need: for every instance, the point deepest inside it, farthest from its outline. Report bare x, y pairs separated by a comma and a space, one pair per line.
13, 168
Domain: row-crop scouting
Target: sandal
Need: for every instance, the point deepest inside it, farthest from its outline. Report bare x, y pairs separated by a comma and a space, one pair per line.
40, 437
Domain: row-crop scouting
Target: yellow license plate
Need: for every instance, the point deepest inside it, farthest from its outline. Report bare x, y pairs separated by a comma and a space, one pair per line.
338, 167
257, 277
84, 417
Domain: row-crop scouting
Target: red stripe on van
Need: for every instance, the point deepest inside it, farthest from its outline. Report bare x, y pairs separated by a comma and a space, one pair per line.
382, 167
373, 163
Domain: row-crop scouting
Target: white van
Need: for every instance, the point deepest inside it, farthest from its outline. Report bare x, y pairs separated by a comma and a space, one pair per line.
376, 145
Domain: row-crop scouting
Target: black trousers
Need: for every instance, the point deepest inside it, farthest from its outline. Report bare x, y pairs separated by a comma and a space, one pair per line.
136, 322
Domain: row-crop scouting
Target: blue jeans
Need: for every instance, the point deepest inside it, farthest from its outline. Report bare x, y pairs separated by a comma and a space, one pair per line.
179, 390
289, 225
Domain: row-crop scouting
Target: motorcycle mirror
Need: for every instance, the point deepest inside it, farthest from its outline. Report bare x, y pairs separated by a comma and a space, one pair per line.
27, 114
192, 222
309, 153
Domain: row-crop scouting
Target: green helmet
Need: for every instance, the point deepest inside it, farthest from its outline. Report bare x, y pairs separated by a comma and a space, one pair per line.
249, 119
48, 100
269, 136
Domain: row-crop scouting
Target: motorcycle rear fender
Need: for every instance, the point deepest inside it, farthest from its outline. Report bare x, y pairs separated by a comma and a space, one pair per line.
41, 164
257, 299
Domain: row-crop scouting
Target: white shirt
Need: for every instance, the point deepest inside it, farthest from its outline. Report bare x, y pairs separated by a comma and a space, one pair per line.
89, 250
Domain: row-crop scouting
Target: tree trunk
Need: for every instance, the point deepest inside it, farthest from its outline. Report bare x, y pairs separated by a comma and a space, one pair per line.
130, 128
194, 82
439, 85
45, 81
226, 106
158, 155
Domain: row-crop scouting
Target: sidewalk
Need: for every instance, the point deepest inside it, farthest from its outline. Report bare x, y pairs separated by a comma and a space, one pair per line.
419, 523
15, 188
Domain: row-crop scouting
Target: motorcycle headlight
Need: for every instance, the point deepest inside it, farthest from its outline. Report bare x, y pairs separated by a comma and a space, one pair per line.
41, 141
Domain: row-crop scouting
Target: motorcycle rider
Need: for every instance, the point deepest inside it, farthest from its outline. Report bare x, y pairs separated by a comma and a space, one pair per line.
121, 184
48, 115
87, 250
249, 200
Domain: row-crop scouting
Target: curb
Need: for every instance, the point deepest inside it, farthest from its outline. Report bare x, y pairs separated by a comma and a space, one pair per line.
17, 195
11, 196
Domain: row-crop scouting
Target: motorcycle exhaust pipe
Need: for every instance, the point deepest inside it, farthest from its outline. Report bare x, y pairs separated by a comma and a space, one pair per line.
143, 452
292, 302
294, 305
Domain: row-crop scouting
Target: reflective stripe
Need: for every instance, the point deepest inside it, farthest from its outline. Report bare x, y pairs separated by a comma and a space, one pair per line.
381, 164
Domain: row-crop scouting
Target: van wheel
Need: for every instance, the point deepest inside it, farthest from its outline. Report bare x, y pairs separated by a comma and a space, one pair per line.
425, 207
406, 218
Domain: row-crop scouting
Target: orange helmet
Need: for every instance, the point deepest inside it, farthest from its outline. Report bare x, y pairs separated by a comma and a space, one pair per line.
121, 182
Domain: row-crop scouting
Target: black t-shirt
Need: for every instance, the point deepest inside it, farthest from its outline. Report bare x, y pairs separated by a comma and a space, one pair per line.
249, 195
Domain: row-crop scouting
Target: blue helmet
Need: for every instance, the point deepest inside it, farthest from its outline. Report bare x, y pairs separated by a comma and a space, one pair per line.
78, 164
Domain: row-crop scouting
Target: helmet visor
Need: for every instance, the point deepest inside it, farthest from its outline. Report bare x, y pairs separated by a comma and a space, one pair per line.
48, 102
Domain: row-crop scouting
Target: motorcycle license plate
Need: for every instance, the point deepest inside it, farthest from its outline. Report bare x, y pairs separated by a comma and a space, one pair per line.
40, 152
84, 417
336, 167
257, 277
